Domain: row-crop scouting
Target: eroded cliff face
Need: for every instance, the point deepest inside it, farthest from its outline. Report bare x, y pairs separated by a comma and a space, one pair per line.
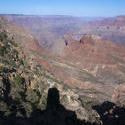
86, 72
80, 63
91, 65
110, 29
24, 80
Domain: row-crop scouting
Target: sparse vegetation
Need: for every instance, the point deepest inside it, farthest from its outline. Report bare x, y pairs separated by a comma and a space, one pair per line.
2, 51
23, 86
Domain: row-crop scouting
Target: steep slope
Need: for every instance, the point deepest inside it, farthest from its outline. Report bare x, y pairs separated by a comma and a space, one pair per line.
92, 68
92, 65
49, 30
24, 84
92, 60
94, 50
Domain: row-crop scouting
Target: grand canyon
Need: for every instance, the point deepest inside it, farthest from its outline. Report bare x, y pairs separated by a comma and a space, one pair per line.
84, 58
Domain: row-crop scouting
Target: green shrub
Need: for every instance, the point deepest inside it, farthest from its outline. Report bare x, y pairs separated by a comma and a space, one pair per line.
32, 96
28, 108
19, 83
3, 106
19, 79
21, 62
3, 36
44, 102
2, 51
4, 69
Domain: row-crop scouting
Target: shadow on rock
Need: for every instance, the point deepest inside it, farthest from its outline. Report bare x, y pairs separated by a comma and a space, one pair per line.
110, 114
55, 113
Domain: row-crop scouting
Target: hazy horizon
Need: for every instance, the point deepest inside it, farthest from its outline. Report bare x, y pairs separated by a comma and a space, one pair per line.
79, 8
45, 15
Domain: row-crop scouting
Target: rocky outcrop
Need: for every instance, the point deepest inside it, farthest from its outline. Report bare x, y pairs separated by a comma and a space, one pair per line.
25, 82
92, 65
86, 72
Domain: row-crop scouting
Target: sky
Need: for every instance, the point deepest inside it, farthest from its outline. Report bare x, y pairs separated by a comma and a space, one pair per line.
83, 8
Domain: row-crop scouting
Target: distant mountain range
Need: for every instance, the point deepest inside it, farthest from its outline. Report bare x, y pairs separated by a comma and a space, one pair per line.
85, 57
46, 28
55, 27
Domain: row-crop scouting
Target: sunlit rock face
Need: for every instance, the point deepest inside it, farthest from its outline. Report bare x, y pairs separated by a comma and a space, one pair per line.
84, 54
86, 71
